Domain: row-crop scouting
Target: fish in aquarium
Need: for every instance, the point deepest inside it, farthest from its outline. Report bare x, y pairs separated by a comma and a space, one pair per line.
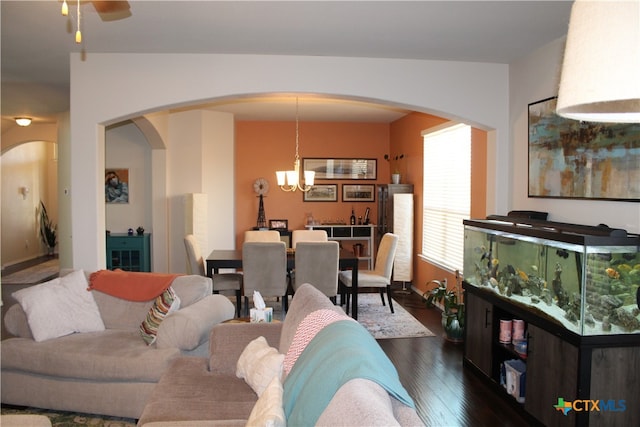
588, 292
612, 273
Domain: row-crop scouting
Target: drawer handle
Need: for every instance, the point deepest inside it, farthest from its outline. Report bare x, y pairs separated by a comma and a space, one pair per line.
487, 312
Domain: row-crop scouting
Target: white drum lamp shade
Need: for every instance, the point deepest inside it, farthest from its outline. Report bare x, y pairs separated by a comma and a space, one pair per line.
600, 78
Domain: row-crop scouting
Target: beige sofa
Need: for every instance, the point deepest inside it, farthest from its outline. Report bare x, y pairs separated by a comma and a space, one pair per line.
206, 392
112, 371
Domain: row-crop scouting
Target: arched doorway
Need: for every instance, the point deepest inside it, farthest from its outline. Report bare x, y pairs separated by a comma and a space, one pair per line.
29, 176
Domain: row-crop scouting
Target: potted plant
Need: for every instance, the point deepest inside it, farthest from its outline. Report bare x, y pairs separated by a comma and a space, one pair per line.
48, 230
453, 314
395, 170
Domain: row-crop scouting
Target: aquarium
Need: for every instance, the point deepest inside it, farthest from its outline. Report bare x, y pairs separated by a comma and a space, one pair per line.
584, 278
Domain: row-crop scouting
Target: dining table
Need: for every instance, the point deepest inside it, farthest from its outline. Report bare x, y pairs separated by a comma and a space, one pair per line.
232, 258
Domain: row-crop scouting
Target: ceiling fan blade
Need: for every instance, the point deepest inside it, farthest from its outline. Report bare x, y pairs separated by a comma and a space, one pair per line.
112, 10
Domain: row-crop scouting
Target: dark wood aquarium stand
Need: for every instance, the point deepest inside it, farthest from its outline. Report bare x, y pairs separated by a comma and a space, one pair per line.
560, 364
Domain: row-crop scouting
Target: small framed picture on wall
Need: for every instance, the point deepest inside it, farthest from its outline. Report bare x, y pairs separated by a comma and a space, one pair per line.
358, 192
116, 186
321, 193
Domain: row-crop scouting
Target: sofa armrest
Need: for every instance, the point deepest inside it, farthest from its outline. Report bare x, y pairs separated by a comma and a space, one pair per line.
189, 327
228, 340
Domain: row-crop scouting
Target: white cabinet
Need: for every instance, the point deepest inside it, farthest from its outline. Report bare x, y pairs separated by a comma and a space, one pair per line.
349, 235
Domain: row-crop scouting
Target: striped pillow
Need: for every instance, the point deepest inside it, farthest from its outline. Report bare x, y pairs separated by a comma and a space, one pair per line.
164, 304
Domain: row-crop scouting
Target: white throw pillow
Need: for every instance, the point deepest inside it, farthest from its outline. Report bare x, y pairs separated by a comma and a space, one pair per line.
268, 410
258, 364
60, 307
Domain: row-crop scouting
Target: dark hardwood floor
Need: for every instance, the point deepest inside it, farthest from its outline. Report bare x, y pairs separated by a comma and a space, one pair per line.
445, 393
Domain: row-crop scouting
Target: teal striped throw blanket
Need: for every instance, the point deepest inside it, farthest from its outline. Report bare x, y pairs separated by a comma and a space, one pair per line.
340, 352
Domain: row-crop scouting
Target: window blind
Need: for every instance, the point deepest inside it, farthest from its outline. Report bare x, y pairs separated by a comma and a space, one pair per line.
447, 195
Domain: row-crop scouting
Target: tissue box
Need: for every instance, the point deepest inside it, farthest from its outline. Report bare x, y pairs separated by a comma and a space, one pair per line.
258, 316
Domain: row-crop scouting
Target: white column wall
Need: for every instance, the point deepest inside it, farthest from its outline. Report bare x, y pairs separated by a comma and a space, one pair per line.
217, 179
134, 84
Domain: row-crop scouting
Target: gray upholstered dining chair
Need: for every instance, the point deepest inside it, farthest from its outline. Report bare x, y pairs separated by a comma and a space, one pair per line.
380, 276
264, 265
317, 264
222, 281
308, 236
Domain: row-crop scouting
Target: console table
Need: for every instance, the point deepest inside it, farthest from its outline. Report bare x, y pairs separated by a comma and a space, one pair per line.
353, 233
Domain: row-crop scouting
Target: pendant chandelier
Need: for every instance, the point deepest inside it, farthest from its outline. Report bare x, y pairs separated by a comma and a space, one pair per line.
65, 12
291, 180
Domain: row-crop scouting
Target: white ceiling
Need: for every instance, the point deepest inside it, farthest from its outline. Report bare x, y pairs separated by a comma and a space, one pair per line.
36, 42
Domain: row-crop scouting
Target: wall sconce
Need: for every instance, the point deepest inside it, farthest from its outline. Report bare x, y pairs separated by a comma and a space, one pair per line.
23, 121
24, 191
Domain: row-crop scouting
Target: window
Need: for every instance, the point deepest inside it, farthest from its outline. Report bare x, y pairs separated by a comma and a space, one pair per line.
447, 194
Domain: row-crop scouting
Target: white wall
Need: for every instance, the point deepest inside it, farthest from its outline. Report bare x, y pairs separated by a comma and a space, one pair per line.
200, 160
533, 79
134, 84
126, 148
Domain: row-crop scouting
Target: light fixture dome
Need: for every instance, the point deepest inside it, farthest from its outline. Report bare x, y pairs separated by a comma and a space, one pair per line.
23, 121
601, 69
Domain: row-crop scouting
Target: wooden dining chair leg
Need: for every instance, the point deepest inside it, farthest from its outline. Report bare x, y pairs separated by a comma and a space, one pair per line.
382, 296
348, 305
238, 302
246, 305
389, 298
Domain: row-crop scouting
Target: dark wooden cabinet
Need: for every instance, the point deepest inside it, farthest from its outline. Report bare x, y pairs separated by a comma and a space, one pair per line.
479, 333
559, 365
552, 373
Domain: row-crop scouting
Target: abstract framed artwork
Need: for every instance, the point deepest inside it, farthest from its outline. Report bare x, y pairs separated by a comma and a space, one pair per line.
358, 192
116, 186
342, 168
570, 159
321, 193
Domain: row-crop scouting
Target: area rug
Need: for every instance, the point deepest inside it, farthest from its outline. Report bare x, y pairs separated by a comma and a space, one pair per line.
70, 419
36, 274
383, 324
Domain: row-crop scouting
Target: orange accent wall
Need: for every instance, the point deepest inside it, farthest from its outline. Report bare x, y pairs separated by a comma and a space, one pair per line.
264, 147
